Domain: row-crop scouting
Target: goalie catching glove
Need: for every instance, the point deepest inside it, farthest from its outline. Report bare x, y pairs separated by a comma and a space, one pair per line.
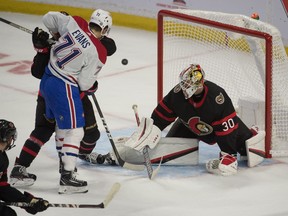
146, 135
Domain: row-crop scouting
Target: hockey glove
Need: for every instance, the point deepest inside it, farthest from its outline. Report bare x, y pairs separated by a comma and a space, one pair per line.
37, 204
40, 40
93, 89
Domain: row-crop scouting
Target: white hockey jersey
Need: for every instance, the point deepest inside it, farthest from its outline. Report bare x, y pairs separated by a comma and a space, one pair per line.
78, 56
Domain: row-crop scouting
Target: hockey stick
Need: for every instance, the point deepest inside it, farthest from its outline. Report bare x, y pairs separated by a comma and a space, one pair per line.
122, 163
16, 25
147, 161
50, 41
115, 188
135, 109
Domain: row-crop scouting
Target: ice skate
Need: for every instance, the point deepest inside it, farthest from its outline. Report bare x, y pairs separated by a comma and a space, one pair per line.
19, 177
70, 184
96, 158
110, 159
93, 158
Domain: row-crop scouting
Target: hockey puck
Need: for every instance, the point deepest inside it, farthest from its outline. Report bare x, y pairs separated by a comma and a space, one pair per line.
124, 61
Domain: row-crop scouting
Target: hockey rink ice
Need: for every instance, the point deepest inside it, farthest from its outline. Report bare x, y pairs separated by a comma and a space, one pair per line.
182, 190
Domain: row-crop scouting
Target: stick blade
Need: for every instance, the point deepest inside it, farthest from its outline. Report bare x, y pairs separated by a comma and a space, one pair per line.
135, 167
155, 172
115, 188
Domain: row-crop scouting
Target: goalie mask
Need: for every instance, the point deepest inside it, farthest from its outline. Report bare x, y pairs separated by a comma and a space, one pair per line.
8, 133
191, 79
103, 19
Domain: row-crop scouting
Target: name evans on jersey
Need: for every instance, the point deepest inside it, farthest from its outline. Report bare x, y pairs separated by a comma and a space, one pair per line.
81, 38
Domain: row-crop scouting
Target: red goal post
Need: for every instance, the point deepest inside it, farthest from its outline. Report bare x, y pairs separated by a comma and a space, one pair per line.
245, 56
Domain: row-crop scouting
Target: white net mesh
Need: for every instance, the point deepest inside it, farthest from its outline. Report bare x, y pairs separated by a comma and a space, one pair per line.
235, 61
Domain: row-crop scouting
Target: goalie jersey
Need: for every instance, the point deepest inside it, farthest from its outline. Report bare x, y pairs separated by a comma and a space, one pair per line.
209, 117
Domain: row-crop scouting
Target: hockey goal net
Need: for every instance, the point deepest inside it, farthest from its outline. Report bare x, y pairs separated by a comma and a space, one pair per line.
244, 56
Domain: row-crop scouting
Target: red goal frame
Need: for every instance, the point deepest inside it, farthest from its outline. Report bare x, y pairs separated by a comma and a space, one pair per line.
236, 29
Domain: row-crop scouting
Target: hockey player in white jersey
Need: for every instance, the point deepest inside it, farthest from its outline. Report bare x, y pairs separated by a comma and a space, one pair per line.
75, 61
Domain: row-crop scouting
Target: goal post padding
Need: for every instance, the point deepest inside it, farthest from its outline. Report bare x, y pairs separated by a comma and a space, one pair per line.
244, 56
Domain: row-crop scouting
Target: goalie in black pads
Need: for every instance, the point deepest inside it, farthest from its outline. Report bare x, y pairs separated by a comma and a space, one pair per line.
8, 135
202, 110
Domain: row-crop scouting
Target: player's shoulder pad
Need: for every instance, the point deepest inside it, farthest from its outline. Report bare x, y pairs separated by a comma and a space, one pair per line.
109, 44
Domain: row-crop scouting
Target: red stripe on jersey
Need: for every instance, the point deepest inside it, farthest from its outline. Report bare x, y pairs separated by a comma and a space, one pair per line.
102, 52
29, 151
72, 78
70, 146
224, 119
86, 149
164, 117
165, 107
37, 141
200, 103
71, 106
224, 133
4, 184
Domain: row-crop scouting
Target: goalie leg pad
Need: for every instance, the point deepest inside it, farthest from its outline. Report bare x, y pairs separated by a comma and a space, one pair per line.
126, 153
255, 148
173, 150
176, 151
226, 165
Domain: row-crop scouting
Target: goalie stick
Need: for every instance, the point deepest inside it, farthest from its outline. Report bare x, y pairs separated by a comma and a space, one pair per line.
147, 161
122, 163
115, 188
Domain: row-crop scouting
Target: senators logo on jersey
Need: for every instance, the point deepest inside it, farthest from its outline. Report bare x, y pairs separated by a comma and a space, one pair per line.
198, 127
220, 99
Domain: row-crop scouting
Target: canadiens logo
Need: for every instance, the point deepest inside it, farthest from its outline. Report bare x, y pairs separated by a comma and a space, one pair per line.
220, 99
177, 88
199, 127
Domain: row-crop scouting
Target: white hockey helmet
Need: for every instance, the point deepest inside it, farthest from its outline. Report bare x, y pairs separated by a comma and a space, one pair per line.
103, 19
191, 79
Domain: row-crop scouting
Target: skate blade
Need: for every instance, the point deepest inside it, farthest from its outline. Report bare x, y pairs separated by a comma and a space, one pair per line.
17, 182
71, 190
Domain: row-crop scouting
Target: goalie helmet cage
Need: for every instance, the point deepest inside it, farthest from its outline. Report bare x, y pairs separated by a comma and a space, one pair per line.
244, 56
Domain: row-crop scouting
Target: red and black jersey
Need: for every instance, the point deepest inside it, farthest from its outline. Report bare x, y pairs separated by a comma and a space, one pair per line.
8, 193
210, 117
